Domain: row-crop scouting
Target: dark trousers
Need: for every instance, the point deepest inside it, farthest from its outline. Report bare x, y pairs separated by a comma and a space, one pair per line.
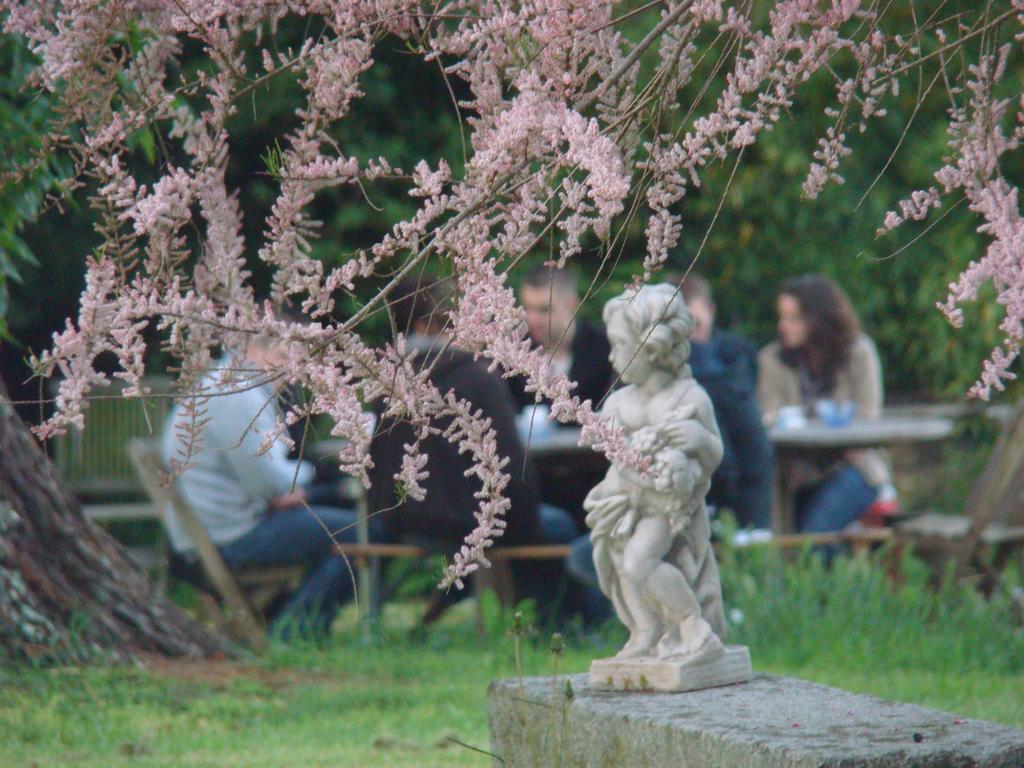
544, 581
743, 481
596, 608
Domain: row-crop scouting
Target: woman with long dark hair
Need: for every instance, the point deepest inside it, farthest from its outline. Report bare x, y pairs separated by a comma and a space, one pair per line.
821, 354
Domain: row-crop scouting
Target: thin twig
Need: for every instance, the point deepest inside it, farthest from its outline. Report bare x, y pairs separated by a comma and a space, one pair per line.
634, 55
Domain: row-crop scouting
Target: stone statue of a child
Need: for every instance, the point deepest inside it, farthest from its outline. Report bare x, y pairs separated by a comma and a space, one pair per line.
651, 535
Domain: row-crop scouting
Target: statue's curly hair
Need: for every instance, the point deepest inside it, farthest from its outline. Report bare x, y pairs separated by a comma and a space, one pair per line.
658, 316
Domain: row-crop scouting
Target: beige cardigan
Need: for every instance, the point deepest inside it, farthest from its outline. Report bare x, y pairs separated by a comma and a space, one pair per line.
778, 385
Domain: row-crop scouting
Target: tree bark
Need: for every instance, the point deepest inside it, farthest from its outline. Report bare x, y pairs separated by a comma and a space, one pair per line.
68, 592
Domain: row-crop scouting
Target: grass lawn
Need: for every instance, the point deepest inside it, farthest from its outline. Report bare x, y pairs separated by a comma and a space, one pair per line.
400, 702
395, 703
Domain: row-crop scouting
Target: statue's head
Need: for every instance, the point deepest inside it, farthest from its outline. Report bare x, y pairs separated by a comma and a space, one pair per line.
649, 328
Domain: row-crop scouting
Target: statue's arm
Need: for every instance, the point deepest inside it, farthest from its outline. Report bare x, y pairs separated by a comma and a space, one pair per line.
694, 430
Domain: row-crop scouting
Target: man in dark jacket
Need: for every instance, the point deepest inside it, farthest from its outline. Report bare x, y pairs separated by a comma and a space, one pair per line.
575, 347
726, 366
579, 350
446, 514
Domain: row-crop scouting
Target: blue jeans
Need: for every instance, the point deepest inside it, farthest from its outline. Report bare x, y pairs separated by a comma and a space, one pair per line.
555, 525
842, 497
297, 535
580, 562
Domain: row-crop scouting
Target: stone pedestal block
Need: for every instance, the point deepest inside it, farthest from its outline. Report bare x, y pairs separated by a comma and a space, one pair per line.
768, 722
657, 675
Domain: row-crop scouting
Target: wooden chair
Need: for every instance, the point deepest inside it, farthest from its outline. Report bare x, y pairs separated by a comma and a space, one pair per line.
95, 466
244, 594
94, 461
994, 517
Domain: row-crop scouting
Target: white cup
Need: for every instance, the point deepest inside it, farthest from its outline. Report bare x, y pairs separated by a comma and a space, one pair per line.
791, 417
534, 422
369, 422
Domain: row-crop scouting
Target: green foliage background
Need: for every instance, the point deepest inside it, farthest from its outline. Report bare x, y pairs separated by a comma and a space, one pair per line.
25, 178
764, 232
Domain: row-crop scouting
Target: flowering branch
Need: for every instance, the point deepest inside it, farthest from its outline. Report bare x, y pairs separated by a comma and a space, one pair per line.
566, 137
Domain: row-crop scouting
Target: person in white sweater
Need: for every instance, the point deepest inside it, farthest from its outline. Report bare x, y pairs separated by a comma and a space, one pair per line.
253, 505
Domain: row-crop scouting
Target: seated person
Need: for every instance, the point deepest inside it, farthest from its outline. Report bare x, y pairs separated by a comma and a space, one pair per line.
577, 348
254, 506
446, 515
822, 354
328, 486
726, 366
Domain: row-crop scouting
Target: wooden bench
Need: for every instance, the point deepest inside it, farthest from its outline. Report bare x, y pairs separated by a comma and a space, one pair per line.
860, 539
497, 578
94, 461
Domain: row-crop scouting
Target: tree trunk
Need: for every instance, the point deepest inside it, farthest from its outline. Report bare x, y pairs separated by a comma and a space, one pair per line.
67, 589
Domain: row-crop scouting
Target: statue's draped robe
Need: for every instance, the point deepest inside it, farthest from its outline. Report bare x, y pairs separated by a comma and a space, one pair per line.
691, 550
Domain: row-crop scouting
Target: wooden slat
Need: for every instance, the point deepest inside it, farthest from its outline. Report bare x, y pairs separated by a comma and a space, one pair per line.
529, 552
1004, 463
146, 457
380, 550
104, 486
796, 540
559, 551
147, 558
1003, 534
953, 528
936, 525
270, 575
111, 512
873, 433
1011, 505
